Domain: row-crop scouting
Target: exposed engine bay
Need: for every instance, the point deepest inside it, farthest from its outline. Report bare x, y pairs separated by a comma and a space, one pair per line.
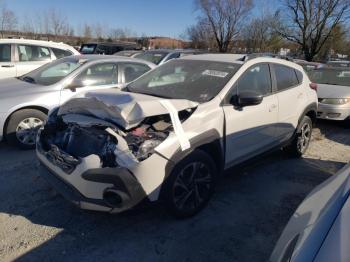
67, 138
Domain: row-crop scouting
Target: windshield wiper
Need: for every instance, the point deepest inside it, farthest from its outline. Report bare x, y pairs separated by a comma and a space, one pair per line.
28, 79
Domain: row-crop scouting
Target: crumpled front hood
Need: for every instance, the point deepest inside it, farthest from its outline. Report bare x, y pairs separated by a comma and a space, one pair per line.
125, 109
332, 91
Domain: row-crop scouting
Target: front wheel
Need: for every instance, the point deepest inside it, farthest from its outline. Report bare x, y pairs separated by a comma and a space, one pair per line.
302, 138
23, 126
190, 185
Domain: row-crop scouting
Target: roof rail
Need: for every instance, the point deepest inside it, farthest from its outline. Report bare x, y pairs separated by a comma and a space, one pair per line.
272, 55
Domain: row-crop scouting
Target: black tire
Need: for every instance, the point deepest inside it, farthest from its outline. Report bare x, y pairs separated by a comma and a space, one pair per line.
302, 138
12, 128
176, 190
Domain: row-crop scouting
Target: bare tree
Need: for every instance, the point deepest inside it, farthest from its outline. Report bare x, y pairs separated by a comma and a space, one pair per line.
259, 35
121, 33
309, 23
98, 31
225, 18
87, 32
8, 21
201, 35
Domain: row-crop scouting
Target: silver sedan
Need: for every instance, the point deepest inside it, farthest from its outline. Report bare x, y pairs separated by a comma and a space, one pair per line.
26, 100
319, 230
333, 92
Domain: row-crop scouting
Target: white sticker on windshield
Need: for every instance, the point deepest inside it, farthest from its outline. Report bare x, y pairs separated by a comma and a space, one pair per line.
215, 73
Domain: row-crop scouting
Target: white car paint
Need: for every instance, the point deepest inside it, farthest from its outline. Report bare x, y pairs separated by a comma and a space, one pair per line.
15, 67
244, 132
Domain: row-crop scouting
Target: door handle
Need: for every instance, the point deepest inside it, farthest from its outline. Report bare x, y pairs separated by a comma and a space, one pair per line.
7, 66
272, 107
300, 95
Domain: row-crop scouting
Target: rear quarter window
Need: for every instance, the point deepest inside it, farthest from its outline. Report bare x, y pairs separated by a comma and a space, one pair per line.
299, 76
59, 53
285, 77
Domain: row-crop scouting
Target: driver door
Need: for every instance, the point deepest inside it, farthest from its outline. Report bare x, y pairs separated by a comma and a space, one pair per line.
251, 129
94, 77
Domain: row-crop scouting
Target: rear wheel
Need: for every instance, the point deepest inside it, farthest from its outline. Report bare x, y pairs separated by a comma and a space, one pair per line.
23, 126
302, 139
190, 185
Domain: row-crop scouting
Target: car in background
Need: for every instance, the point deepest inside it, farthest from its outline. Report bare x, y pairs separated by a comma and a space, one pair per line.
105, 48
20, 56
319, 230
338, 63
129, 53
26, 100
333, 90
170, 133
160, 56
308, 66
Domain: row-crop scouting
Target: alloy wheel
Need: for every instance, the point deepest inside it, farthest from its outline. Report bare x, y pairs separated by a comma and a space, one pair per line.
27, 129
304, 137
192, 186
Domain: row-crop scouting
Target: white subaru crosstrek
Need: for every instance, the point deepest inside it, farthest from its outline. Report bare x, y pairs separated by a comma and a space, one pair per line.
170, 134
20, 56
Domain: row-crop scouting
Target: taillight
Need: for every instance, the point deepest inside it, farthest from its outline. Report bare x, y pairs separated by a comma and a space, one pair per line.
313, 86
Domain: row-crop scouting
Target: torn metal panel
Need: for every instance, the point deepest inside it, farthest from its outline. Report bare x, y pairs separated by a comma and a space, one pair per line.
122, 108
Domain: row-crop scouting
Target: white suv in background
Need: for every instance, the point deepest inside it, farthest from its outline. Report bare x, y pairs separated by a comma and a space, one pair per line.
20, 56
172, 131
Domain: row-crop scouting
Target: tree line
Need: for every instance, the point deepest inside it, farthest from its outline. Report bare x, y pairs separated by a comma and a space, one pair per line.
312, 28
52, 25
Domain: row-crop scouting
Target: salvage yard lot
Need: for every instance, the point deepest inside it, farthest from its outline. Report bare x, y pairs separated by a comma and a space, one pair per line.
242, 222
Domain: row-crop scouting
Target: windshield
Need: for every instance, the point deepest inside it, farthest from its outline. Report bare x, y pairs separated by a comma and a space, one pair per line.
50, 74
154, 57
87, 49
195, 80
330, 76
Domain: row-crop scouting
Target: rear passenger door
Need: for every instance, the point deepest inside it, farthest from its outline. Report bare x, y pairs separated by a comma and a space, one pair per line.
291, 99
30, 57
7, 66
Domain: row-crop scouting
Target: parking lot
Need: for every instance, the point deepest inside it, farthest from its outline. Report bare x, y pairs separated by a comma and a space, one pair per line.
242, 222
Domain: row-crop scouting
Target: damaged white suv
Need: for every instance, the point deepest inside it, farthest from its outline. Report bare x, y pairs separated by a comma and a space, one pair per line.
171, 132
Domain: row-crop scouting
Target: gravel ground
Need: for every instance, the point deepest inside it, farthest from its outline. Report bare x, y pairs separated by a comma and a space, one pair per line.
242, 222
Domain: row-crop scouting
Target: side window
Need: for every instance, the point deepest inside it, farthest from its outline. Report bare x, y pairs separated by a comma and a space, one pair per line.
285, 77
100, 74
173, 56
133, 71
59, 53
33, 53
299, 76
5, 53
256, 79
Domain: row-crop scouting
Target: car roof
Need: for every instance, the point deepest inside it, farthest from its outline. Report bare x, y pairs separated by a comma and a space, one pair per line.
35, 42
228, 58
172, 51
240, 59
116, 58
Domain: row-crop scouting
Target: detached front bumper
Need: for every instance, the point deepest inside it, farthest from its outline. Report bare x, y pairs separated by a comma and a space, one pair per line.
101, 189
333, 112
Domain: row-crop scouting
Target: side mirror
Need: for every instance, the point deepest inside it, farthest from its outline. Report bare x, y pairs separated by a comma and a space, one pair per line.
249, 99
76, 83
